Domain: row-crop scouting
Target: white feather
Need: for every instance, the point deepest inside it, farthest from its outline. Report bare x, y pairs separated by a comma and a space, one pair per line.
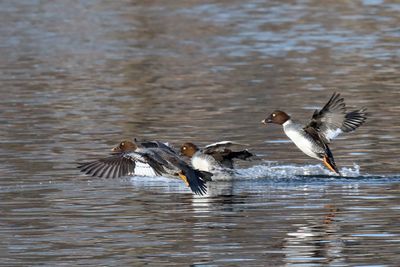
201, 163
296, 134
332, 133
222, 143
144, 169
204, 162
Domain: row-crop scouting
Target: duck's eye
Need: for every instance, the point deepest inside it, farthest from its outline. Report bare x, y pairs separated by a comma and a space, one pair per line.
273, 114
122, 144
184, 148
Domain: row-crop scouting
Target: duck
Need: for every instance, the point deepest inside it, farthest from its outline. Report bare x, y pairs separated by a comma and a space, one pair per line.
325, 125
216, 156
146, 159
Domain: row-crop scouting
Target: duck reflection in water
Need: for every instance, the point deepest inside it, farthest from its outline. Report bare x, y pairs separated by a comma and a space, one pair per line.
316, 242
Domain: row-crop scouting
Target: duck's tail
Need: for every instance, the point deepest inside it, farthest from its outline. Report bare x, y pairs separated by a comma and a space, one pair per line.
194, 179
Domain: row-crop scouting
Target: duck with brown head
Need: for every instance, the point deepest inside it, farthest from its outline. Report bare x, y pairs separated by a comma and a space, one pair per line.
277, 117
325, 125
131, 158
124, 146
216, 156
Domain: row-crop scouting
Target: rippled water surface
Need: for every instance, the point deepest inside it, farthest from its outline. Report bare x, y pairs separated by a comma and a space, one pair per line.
79, 76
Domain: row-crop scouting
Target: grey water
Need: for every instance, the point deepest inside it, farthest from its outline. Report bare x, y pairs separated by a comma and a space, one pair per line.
77, 77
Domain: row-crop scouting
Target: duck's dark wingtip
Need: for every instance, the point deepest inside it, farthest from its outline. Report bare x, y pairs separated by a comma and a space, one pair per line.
81, 165
194, 182
204, 175
200, 189
354, 119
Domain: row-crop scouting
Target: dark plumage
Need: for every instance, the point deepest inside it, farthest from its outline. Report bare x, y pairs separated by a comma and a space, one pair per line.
215, 155
333, 119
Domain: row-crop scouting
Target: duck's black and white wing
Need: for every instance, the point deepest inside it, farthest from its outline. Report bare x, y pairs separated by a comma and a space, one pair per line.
111, 167
156, 144
222, 153
145, 165
332, 119
219, 146
122, 164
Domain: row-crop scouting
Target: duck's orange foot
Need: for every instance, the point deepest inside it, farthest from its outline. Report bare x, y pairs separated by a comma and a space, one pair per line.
330, 164
184, 178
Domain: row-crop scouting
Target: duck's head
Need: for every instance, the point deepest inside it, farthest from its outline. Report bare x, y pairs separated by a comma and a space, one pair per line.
188, 149
124, 146
277, 117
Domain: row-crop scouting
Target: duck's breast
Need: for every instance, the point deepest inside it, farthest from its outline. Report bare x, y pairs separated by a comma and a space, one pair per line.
202, 162
303, 141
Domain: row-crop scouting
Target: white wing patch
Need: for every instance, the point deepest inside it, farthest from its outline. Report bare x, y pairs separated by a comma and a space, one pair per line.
144, 169
222, 143
332, 133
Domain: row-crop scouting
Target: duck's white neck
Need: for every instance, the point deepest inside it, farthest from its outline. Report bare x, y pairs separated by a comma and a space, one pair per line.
286, 123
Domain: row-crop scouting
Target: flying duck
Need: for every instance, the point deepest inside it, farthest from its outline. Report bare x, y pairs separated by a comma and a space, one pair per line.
129, 158
326, 124
216, 156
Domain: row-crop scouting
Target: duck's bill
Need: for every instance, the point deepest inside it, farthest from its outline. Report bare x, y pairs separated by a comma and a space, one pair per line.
265, 121
116, 149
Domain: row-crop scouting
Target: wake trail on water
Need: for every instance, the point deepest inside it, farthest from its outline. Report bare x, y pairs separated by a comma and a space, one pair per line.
274, 170
266, 170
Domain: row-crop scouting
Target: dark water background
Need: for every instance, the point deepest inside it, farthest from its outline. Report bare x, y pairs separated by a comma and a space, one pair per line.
78, 76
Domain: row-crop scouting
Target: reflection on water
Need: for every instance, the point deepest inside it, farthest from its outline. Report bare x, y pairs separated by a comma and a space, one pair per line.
250, 221
79, 76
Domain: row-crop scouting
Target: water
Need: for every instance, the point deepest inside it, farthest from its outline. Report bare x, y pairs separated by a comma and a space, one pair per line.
79, 76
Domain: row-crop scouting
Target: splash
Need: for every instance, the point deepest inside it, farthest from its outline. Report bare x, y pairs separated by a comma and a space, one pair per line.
273, 170
266, 170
